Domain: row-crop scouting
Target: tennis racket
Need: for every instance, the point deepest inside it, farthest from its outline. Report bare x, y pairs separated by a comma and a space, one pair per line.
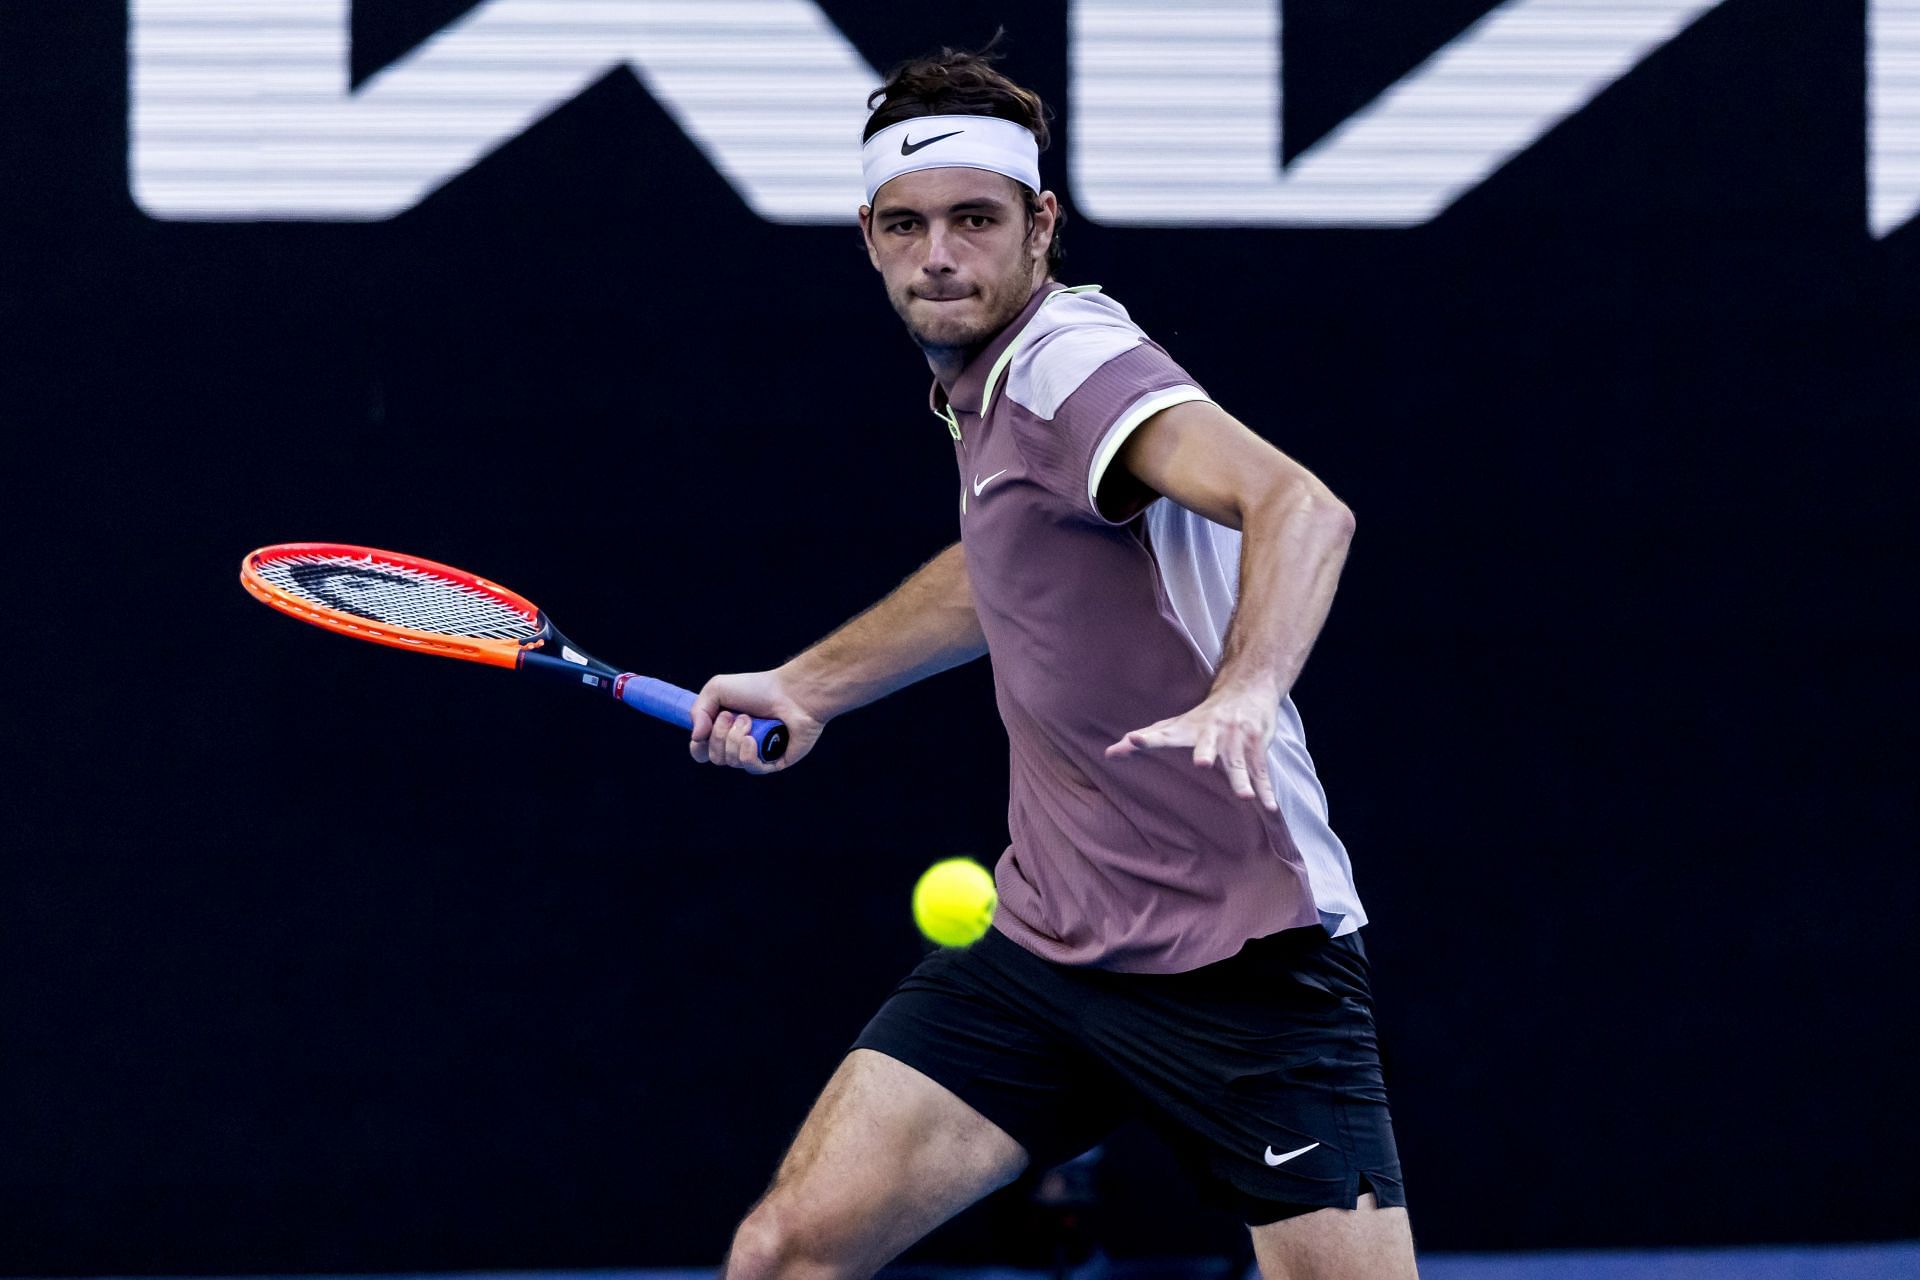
417, 604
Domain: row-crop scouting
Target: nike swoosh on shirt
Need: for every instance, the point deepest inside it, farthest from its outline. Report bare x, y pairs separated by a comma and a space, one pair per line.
908, 148
1275, 1161
979, 484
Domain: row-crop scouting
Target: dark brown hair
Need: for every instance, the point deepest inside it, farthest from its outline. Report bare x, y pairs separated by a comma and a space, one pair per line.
961, 82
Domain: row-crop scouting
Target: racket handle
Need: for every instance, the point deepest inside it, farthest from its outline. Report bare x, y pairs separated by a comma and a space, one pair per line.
673, 704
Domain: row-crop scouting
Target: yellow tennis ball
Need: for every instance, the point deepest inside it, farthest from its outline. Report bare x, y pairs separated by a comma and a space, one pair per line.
953, 902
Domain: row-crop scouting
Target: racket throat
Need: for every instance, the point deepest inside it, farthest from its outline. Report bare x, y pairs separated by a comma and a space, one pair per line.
559, 660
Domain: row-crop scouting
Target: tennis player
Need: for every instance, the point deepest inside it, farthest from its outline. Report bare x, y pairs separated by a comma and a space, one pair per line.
1177, 931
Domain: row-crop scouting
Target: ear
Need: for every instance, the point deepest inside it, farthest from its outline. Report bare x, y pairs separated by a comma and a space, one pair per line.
866, 235
1044, 218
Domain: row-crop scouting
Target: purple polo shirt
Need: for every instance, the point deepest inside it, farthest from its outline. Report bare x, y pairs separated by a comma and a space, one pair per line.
1142, 864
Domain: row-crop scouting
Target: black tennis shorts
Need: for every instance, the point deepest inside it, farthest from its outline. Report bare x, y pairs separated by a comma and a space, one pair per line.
1261, 1071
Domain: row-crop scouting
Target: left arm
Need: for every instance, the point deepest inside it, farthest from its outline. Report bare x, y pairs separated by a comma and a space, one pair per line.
1294, 542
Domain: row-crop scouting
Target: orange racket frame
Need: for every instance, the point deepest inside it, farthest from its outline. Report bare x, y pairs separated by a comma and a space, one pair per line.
492, 653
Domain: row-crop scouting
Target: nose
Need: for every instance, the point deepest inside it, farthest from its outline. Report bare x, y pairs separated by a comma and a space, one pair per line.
940, 259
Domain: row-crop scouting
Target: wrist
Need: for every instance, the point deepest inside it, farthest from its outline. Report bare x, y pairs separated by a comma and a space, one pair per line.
1261, 686
806, 687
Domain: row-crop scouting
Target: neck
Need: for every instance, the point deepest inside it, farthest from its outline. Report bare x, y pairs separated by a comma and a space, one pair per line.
948, 362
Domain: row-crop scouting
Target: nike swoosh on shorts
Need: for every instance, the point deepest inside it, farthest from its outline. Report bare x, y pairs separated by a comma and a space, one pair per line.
1275, 1161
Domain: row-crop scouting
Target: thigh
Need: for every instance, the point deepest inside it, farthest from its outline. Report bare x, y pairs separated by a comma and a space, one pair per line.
885, 1155
1362, 1243
994, 1026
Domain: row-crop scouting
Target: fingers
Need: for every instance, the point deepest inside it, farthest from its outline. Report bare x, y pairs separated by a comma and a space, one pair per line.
717, 740
1241, 776
1206, 747
1236, 747
1229, 750
742, 751
1167, 733
705, 707
731, 744
1243, 757
1263, 782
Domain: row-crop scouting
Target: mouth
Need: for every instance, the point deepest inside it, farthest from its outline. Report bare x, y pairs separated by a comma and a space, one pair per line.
942, 297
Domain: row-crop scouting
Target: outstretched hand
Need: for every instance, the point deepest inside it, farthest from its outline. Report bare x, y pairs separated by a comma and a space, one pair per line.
1231, 730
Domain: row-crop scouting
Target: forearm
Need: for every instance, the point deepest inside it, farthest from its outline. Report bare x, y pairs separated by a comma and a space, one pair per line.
926, 625
1293, 546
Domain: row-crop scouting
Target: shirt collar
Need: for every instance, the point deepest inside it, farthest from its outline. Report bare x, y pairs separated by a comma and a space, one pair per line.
969, 388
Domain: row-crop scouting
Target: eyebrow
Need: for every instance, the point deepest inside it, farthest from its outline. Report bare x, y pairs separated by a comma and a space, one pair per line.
977, 204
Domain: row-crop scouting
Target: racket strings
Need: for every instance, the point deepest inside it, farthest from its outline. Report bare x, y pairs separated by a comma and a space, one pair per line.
398, 595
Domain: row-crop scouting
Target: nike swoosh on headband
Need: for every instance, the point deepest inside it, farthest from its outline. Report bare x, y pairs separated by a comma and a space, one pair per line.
908, 148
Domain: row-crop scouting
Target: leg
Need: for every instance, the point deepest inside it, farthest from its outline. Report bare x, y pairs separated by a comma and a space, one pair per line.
885, 1156
1363, 1243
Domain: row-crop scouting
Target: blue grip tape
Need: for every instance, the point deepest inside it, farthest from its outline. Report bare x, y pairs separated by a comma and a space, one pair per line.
659, 699
673, 704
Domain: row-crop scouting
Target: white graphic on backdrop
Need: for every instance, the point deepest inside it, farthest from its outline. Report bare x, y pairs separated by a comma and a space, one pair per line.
242, 110
1893, 114
1176, 110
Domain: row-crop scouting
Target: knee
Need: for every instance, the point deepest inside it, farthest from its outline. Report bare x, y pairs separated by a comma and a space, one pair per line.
772, 1244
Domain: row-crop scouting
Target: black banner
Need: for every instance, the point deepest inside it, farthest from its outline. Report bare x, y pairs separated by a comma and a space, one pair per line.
320, 956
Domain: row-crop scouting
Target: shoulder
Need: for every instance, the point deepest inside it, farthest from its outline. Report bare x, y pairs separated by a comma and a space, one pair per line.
1069, 340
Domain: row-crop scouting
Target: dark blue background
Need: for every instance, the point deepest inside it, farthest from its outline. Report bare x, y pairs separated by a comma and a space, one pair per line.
315, 955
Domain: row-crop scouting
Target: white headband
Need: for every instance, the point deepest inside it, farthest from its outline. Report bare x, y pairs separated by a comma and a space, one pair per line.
950, 142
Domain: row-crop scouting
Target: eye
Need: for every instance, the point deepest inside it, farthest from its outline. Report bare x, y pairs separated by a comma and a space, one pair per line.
901, 227
978, 221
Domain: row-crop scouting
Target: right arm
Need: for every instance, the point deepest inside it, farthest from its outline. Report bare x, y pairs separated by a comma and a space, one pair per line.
925, 626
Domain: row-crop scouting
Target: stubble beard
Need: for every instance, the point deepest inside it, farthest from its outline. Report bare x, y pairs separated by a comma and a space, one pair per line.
955, 343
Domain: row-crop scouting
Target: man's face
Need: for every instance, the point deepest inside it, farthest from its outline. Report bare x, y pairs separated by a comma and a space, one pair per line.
955, 252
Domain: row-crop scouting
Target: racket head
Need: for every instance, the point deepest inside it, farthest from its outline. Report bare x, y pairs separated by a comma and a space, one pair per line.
395, 599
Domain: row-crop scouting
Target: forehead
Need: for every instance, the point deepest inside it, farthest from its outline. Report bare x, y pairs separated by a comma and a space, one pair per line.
927, 190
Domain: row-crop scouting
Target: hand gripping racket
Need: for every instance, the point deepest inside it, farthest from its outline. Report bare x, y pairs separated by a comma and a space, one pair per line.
416, 604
